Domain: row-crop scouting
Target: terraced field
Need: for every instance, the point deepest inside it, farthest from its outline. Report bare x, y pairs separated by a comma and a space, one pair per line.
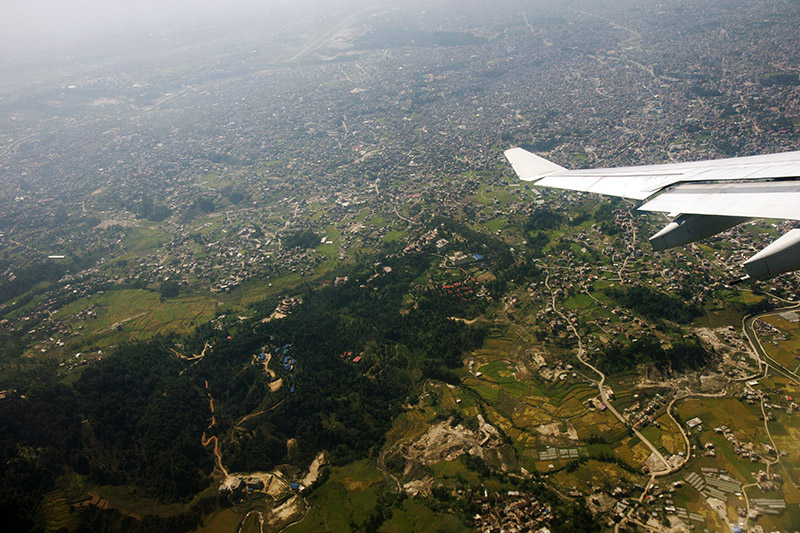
58, 514
533, 412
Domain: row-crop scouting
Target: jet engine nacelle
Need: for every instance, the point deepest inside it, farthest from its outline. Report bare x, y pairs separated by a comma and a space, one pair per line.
781, 256
691, 228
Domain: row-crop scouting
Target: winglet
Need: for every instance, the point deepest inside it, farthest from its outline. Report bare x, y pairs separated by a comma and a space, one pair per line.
530, 167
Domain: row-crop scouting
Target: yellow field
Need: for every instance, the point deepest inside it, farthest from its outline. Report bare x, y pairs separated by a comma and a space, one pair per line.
225, 521
58, 514
594, 473
409, 425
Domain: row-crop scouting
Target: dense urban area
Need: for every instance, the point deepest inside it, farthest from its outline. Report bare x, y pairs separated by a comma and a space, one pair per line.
279, 276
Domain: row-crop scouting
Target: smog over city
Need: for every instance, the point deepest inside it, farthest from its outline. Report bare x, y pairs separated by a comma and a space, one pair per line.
270, 266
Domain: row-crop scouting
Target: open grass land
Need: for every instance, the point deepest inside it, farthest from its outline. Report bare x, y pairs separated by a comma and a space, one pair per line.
600, 423
490, 195
654, 435
376, 221
452, 473
225, 521
749, 297
780, 523
725, 312
671, 438
331, 251
743, 421
496, 224
415, 516
135, 314
579, 301
448, 398
142, 240
393, 236
786, 352
347, 498
631, 450
785, 431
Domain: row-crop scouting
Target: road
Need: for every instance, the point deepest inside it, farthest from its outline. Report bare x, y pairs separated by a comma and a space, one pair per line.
260, 519
765, 363
758, 349
205, 440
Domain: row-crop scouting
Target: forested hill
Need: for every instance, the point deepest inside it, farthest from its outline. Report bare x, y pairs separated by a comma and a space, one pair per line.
137, 417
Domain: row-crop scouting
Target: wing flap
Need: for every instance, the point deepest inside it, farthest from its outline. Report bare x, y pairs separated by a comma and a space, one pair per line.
636, 186
768, 199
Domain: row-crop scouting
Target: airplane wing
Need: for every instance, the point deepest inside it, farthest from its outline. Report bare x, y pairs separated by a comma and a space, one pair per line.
705, 196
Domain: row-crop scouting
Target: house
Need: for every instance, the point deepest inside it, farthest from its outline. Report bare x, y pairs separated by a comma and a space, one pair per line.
694, 422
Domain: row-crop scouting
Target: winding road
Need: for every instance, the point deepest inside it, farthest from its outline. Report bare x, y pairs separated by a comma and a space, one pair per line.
205, 440
749, 332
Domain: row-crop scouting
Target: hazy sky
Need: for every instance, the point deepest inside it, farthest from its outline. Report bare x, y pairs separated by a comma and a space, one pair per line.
27, 25
51, 34
35, 25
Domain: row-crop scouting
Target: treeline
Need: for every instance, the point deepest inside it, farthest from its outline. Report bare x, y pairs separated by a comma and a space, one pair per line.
39, 433
300, 239
655, 305
762, 306
685, 355
143, 422
112, 521
544, 218
147, 208
27, 278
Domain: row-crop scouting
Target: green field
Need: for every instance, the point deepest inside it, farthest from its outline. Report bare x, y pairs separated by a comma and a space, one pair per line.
497, 224
416, 516
743, 421
785, 352
348, 497
393, 236
130, 314
225, 521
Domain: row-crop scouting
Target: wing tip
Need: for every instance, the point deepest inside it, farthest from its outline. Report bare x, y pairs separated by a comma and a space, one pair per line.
528, 166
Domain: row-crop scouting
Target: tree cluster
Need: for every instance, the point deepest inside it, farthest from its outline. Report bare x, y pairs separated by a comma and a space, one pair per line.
655, 305
680, 357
